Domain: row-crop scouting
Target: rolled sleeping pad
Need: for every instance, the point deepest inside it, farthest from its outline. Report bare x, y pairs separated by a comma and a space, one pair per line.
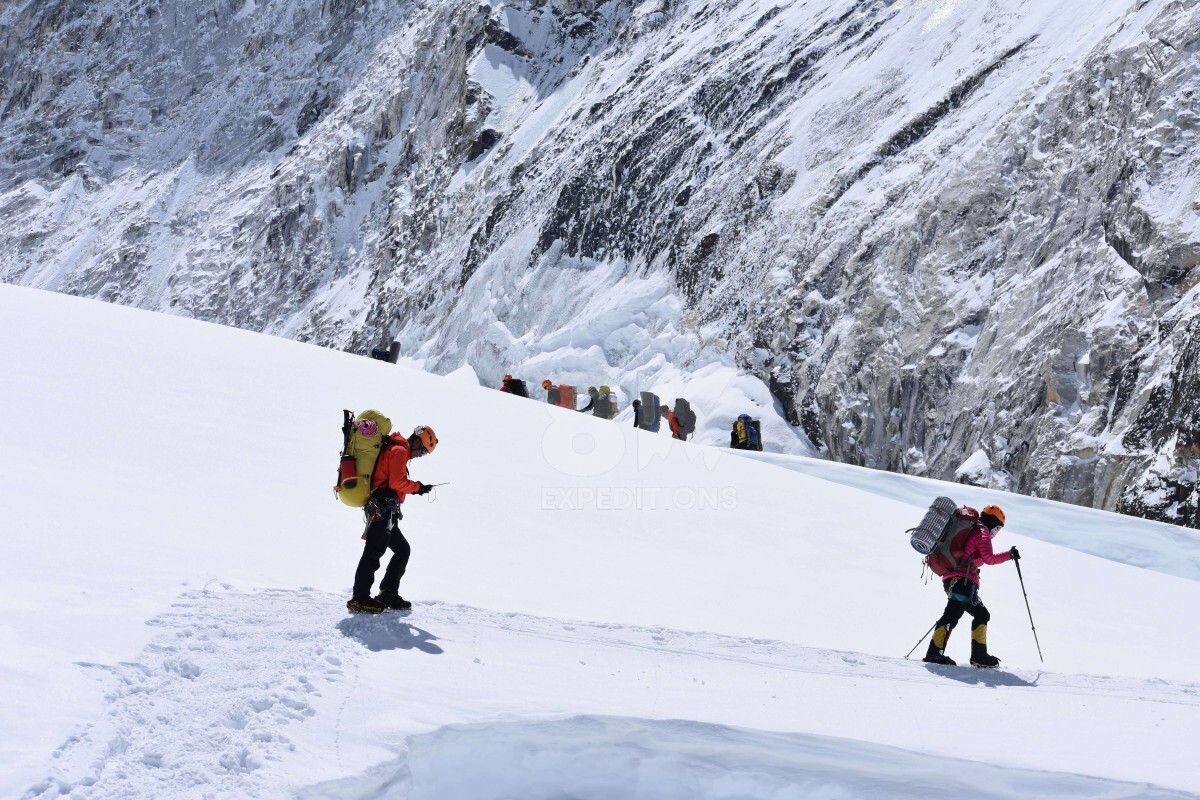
925, 536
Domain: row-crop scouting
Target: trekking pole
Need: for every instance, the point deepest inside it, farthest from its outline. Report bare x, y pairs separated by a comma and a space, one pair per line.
1017, 561
918, 644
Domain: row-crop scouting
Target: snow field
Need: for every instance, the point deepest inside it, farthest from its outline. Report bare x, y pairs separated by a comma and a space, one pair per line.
192, 468
210, 687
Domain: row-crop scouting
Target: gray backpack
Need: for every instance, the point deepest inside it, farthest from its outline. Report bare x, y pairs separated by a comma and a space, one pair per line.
941, 535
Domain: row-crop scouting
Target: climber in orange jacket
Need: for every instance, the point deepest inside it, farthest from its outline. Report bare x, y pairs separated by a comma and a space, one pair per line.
672, 420
390, 484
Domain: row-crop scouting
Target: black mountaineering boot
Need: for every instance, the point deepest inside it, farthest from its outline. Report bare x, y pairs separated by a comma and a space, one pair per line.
393, 600
367, 606
979, 653
936, 654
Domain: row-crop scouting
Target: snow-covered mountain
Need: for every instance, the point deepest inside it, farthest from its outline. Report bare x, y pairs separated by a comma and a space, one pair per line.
948, 239
636, 618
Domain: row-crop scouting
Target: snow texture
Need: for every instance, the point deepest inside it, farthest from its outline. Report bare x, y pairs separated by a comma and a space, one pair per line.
637, 617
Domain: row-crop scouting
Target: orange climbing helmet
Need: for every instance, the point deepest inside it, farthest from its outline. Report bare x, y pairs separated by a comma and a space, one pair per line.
994, 511
426, 437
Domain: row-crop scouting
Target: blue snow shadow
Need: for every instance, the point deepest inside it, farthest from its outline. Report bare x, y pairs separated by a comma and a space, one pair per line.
641, 759
389, 631
981, 677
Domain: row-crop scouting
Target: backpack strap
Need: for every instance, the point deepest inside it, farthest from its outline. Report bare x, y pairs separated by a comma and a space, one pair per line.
945, 545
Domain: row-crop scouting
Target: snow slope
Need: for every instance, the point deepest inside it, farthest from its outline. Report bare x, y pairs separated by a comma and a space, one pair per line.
600, 612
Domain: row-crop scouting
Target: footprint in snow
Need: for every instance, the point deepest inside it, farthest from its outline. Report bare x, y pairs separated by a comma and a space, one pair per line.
208, 703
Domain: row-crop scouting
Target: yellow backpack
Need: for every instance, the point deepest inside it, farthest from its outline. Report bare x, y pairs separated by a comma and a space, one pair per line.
362, 441
606, 402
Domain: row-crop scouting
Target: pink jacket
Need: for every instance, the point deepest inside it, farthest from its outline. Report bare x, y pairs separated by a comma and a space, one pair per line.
977, 550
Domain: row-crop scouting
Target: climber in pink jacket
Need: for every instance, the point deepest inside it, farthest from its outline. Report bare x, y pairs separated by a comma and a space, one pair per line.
978, 548
962, 591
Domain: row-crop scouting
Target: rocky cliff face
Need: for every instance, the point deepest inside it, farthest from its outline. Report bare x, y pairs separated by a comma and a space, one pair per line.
953, 239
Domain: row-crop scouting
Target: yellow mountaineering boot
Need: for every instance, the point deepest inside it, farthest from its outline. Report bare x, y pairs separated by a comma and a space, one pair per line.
936, 654
979, 653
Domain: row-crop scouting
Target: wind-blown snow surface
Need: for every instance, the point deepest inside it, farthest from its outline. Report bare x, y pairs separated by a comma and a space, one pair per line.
600, 612
936, 234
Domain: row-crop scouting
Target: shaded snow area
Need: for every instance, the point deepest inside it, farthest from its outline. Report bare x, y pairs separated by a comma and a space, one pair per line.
599, 612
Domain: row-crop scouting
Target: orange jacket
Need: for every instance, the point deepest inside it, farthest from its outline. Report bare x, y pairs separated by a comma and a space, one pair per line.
392, 468
674, 422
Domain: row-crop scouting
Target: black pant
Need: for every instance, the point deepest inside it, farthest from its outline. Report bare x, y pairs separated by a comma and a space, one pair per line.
383, 533
963, 599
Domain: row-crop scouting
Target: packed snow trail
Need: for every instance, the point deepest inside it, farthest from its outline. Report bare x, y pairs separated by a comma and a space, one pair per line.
261, 694
212, 700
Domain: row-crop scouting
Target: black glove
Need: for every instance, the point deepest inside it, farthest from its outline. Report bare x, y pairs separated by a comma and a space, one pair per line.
425, 489
1016, 555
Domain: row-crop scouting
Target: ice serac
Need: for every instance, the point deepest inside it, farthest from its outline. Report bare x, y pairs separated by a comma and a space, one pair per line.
954, 239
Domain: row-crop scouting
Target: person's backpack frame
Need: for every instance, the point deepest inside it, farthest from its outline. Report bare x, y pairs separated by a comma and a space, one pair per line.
686, 416
649, 417
605, 406
747, 433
